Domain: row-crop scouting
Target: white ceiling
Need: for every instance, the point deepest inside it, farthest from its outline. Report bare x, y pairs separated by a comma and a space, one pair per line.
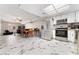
36, 9
71, 8
12, 11
56, 8
29, 12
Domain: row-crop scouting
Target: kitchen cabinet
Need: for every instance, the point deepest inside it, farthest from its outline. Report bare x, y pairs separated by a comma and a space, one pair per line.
57, 18
77, 16
71, 35
46, 35
71, 18
64, 16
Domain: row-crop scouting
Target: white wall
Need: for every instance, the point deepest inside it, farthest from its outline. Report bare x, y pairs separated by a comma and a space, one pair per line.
36, 25
8, 26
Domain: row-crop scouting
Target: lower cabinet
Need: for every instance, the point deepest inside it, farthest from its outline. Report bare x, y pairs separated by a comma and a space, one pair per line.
71, 35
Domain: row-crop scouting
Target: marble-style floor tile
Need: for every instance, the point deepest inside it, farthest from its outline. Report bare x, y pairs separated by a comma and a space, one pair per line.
17, 45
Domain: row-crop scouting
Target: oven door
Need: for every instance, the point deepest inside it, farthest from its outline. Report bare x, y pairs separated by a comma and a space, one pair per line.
61, 32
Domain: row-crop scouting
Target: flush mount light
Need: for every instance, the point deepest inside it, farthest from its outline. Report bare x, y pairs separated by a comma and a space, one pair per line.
19, 19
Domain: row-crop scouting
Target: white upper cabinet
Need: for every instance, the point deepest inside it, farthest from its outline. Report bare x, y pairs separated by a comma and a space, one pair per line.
77, 16
57, 18
71, 17
71, 35
64, 16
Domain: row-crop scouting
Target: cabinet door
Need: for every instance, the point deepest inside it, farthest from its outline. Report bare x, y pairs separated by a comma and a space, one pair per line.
71, 17
64, 16
57, 18
77, 16
71, 35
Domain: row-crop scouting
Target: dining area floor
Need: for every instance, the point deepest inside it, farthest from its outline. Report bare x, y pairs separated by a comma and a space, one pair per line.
17, 45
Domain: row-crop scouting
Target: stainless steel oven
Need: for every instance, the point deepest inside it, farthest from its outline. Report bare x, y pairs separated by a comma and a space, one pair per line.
61, 32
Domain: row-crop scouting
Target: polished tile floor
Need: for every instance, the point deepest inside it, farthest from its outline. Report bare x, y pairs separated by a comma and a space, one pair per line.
17, 45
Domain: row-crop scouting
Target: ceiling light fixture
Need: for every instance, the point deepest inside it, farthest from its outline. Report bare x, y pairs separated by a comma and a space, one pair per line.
19, 19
